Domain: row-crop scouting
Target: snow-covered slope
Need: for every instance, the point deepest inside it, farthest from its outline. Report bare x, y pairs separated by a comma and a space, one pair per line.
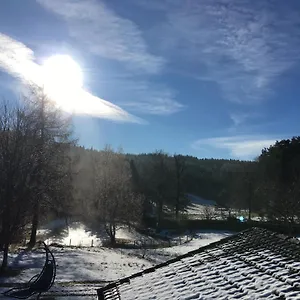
200, 208
198, 200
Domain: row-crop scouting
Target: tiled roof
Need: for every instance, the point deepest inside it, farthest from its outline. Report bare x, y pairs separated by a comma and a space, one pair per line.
254, 264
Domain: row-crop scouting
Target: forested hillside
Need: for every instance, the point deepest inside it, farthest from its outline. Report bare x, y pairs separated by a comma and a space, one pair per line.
266, 187
163, 180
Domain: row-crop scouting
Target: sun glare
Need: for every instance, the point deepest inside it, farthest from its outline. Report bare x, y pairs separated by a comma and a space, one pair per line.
62, 80
62, 77
62, 70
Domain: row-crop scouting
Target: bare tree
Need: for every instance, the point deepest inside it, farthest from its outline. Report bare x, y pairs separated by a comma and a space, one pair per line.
208, 212
16, 165
115, 202
84, 190
34, 164
52, 152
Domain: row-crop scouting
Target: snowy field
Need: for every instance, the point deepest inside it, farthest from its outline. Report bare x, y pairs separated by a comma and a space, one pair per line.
77, 234
80, 270
200, 208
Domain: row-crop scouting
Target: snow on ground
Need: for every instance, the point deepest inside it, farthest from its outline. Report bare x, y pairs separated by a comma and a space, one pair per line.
77, 234
90, 264
79, 271
94, 266
198, 200
102, 264
199, 208
131, 235
202, 238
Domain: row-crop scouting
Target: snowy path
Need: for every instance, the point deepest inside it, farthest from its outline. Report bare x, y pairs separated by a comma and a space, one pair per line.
79, 271
78, 264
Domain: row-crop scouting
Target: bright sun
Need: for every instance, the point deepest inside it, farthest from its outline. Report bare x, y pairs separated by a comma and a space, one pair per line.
62, 70
62, 76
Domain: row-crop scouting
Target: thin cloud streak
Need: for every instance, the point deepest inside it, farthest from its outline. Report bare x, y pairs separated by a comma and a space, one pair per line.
161, 107
105, 33
18, 60
239, 117
149, 98
242, 147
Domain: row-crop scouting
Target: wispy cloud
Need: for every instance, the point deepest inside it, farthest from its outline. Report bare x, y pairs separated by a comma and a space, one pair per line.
149, 98
242, 45
105, 33
19, 61
242, 147
240, 117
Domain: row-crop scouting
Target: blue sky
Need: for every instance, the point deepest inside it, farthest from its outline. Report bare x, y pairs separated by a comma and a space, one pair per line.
205, 78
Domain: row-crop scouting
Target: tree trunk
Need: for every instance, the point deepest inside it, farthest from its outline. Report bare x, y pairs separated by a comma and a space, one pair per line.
36, 207
177, 209
34, 226
144, 212
290, 226
179, 167
113, 240
177, 206
249, 211
1, 239
5, 236
177, 197
159, 214
112, 234
250, 202
5, 258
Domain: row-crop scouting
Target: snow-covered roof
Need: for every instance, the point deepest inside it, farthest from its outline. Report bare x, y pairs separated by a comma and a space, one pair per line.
254, 264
